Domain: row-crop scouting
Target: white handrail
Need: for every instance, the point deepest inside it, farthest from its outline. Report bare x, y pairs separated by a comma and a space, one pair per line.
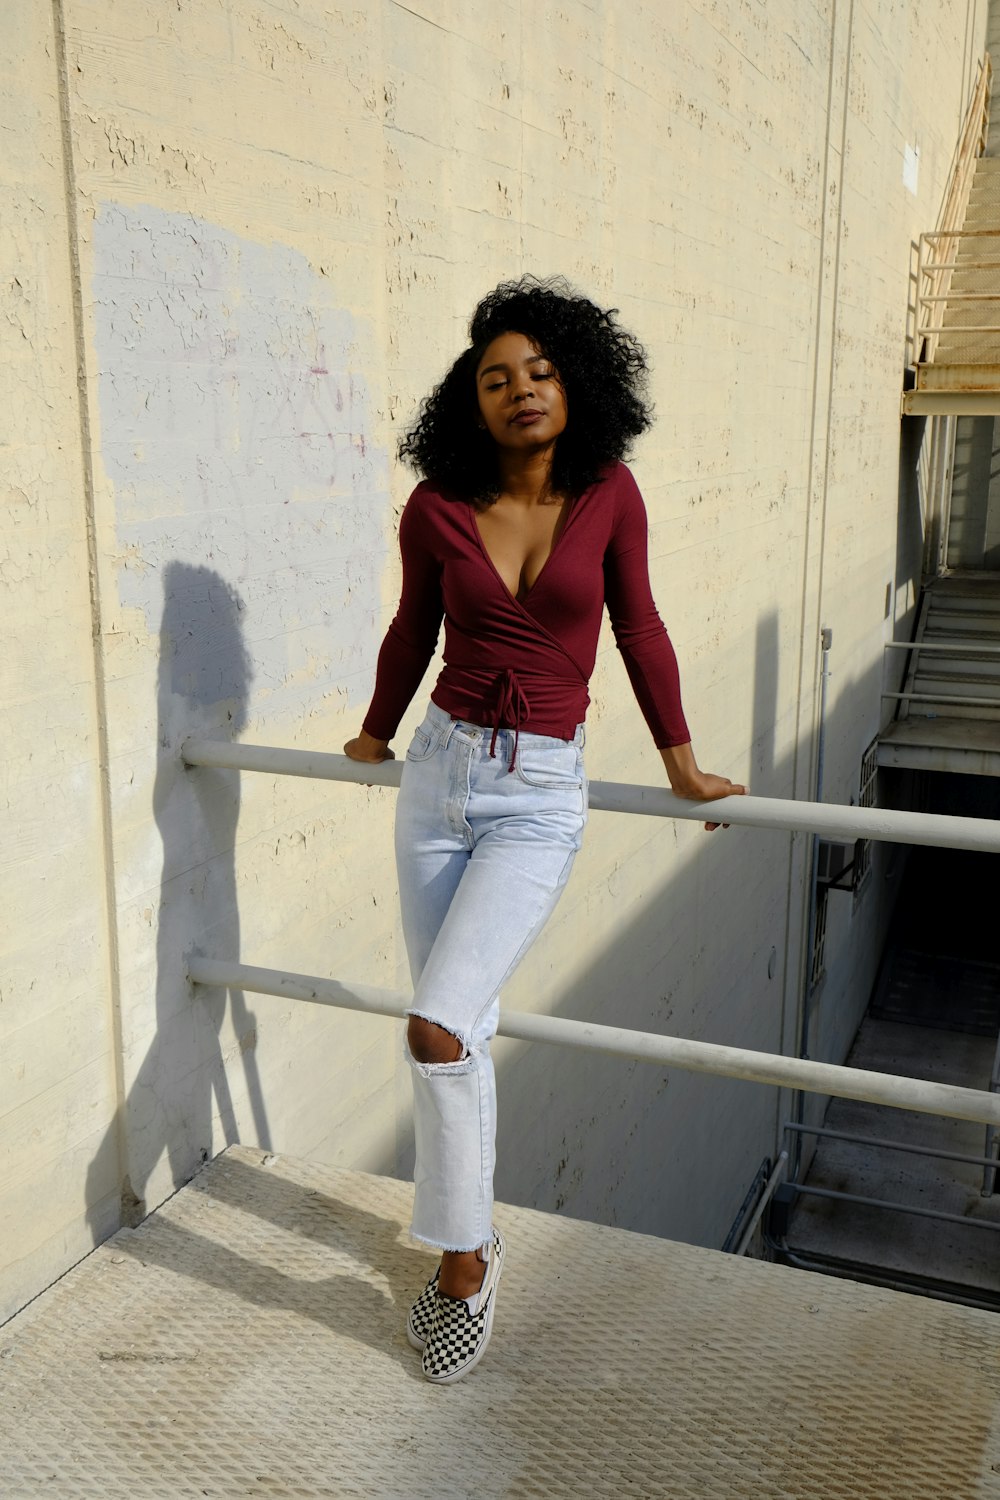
943, 1099
826, 819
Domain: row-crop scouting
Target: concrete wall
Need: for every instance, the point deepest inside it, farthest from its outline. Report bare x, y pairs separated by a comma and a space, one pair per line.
57, 982
240, 241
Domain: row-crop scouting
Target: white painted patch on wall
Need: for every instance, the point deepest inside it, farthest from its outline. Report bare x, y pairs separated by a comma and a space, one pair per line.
911, 168
235, 427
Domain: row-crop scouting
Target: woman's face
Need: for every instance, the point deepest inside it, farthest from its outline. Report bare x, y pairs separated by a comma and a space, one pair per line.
522, 403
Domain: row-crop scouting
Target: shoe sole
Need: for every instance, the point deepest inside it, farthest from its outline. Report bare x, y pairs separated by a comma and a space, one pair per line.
471, 1364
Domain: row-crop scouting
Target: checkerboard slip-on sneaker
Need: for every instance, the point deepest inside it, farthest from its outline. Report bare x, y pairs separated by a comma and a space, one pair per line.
458, 1340
420, 1319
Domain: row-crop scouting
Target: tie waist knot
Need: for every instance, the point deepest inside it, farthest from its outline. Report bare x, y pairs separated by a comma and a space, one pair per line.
512, 710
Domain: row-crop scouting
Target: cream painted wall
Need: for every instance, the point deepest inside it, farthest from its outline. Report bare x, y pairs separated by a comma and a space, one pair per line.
283, 214
57, 1052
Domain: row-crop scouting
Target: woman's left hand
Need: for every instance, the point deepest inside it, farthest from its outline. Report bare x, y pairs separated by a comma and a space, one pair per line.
687, 781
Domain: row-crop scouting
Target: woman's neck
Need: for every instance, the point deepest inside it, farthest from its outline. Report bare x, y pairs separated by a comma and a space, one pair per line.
527, 477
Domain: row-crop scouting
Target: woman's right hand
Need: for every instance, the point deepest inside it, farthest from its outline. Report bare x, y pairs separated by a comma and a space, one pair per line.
367, 748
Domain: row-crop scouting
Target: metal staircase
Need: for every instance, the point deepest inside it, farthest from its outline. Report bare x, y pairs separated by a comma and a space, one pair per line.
970, 326
948, 702
949, 705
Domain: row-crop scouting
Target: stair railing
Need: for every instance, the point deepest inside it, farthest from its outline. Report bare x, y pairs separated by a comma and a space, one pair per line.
938, 248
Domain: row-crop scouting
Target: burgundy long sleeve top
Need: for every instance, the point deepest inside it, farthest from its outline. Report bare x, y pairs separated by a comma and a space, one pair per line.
526, 663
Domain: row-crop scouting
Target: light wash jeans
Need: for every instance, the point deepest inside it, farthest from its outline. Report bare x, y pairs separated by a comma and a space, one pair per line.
483, 854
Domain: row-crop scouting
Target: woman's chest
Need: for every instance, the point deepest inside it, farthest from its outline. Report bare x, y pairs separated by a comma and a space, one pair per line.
553, 573
518, 540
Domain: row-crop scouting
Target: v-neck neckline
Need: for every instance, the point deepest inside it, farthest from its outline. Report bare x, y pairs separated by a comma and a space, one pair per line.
561, 532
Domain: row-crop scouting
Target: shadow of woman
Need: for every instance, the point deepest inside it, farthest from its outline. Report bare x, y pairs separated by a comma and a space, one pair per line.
311, 1253
182, 1082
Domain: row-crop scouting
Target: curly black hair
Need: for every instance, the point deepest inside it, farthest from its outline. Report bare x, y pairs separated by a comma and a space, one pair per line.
602, 368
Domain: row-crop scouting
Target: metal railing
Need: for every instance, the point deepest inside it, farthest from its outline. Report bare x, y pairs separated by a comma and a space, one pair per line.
958, 646
828, 820
784, 1195
936, 273
944, 698
882, 1143
971, 651
945, 1099
804, 1074
937, 253
992, 1133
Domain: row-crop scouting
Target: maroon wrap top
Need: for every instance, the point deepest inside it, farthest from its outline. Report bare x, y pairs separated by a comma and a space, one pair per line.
526, 663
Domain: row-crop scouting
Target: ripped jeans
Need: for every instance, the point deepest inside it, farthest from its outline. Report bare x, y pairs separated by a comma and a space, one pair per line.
483, 854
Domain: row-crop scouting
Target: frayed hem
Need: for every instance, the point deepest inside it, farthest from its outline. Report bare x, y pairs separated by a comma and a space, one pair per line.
451, 1249
460, 1068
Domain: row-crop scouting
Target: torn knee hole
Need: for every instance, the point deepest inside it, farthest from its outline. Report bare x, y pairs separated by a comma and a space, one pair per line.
430, 1043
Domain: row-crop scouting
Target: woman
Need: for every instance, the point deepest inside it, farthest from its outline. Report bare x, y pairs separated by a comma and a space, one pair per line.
526, 524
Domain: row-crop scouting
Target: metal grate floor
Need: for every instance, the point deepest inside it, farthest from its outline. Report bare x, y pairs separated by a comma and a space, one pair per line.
247, 1340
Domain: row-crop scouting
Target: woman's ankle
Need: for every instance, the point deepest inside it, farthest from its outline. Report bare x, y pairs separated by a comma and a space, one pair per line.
463, 1272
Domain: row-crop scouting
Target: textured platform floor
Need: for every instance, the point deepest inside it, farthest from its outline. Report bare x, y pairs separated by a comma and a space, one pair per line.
247, 1340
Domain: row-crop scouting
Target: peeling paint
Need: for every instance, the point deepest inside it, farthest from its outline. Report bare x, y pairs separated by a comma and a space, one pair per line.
235, 427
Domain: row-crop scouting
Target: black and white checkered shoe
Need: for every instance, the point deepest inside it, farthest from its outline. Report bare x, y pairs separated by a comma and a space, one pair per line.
420, 1319
457, 1341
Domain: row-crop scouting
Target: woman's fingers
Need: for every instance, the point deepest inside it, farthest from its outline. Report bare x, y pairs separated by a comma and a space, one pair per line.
730, 789
354, 751
704, 786
353, 747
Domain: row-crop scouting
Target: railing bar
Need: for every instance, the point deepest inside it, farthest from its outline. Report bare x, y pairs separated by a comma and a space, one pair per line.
875, 1140
926, 299
891, 825
770, 1188
957, 646
903, 1208
947, 1100
946, 698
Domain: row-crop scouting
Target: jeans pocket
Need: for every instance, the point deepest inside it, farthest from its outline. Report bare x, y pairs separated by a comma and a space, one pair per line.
423, 744
556, 767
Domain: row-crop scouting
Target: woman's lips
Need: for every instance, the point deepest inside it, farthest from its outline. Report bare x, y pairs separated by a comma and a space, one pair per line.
526, 418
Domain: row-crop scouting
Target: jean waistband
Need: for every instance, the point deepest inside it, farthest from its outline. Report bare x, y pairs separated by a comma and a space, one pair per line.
446, 724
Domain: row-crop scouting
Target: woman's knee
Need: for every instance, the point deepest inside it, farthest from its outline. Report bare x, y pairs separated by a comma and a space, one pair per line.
430, 1043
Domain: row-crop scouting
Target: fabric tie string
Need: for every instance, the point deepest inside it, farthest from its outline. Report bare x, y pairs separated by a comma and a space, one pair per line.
512, 711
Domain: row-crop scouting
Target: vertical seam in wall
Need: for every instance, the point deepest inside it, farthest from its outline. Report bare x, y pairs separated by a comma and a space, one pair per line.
97, 638
968, 66
804, 958
520, 158
838, 241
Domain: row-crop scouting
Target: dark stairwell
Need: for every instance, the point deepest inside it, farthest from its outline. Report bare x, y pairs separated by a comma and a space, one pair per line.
934, 1013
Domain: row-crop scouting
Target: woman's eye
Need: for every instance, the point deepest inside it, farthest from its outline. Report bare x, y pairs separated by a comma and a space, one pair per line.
495, 385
